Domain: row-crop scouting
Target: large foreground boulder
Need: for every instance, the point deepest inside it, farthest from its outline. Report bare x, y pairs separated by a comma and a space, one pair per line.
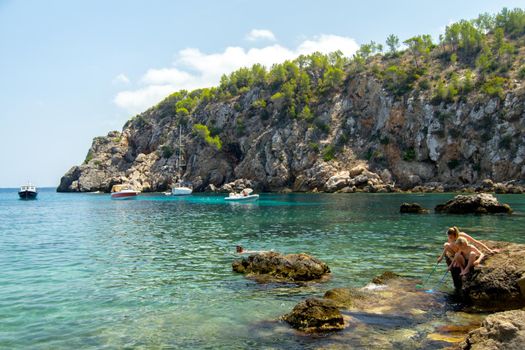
272, 266
503, 330
315, 315
481, 203
498, 284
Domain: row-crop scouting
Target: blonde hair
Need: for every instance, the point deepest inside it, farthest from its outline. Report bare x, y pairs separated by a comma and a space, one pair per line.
453, 231
461, 241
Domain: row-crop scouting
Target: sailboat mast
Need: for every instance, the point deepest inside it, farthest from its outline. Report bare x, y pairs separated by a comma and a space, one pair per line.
180, 151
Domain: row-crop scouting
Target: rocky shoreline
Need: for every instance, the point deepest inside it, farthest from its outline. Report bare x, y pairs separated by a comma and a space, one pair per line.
497, 286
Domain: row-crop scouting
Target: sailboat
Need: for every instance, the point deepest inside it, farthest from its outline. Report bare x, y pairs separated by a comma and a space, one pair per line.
180, 188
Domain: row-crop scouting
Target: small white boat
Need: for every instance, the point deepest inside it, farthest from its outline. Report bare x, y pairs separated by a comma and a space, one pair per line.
123, 192
244, 195
181, 189
28, 192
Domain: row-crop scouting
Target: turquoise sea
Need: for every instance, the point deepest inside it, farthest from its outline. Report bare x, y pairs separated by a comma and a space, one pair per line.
81, 271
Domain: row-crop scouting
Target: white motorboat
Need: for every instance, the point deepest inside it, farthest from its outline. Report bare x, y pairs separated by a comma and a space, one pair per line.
244, 195
123, 192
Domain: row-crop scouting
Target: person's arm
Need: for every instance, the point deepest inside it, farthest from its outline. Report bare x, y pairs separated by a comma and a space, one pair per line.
442, 255
480, 256
476, 242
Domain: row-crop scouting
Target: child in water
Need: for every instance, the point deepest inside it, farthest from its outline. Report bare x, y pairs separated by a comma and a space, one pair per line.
240, 250
450, 248
467, 256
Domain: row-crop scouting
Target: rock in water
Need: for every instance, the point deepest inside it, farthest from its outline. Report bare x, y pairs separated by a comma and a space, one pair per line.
278, 267
344, 297
481, 203
502, 330
498, 284
315, 315
412, 208
385, 277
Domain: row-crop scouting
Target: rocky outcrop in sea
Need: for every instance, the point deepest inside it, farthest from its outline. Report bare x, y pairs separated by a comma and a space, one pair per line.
481, 203
276, 267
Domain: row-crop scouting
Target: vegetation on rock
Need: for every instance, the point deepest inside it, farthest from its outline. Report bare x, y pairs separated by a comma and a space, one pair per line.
406, 111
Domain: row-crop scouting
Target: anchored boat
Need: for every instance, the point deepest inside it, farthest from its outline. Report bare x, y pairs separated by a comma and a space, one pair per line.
28, 191
123, 191
244, 195
181, 188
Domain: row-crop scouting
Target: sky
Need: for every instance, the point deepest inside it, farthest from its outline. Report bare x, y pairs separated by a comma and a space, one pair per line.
74, 70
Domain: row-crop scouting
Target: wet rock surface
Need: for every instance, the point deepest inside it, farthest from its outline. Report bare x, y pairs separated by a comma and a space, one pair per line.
499, 282
393, 314
315, 315
412, 208
502, 330
395, 299
481, 203
275, 267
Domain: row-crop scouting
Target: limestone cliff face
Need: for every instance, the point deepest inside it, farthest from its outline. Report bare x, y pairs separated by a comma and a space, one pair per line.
360, 136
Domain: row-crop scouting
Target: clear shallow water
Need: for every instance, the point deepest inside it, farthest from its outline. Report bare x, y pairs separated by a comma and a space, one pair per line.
83, 271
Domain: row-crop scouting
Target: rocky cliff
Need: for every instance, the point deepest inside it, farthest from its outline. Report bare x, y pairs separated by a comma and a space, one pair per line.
328, 123
409, 142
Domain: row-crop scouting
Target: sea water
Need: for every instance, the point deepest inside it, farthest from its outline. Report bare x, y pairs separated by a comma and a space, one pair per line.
82, 271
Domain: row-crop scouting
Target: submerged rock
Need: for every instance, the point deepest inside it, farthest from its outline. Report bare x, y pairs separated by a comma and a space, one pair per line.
499, 282
503, 330
392, 299
481, 203
272, 266
344, 297
315, 315
385, 277
412, 208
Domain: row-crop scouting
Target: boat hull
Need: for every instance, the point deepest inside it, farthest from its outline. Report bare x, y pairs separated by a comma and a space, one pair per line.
124, 195
251, 197
27, 194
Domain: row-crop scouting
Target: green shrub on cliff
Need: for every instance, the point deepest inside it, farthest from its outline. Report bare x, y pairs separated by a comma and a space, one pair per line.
521, 73
202, 131
166, 151
494, 87
472, 56
329, 153
409, 155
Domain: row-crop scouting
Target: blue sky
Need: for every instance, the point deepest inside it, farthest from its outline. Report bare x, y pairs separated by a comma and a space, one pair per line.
71, 70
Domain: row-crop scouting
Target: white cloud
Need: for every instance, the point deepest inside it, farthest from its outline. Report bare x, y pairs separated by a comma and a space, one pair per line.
139, 100
121, 79
329, 43
166, 76
194, 69
260, 34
